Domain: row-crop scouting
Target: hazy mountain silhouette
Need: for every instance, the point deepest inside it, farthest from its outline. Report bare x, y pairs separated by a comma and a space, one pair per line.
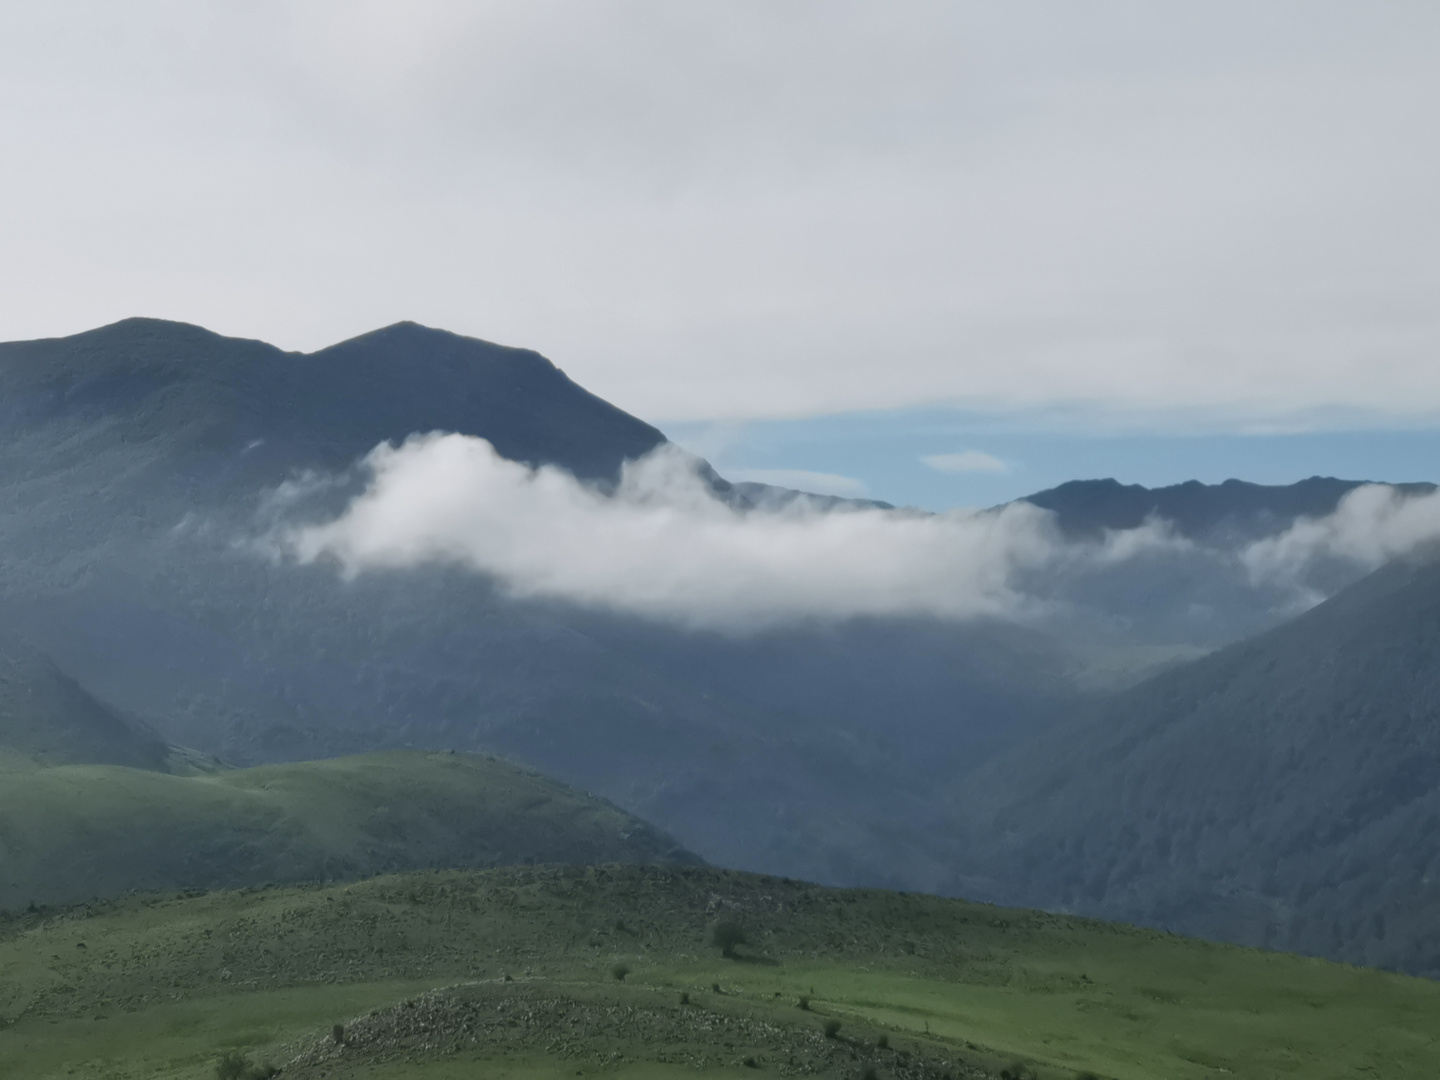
1221, 513
1284, 791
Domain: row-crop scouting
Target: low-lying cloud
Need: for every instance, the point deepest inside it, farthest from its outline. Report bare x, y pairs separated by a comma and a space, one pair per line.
1372, 525
663, 546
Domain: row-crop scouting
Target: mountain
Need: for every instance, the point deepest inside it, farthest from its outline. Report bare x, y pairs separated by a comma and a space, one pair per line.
81, 832
233, 407
48, 716
1195, 587
1283, 791
136, 459
1226, 513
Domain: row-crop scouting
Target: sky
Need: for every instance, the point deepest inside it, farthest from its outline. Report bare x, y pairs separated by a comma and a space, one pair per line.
939, 254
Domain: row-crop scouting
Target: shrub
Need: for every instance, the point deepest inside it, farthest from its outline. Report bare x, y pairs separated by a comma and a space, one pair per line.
715, 987
233, 1065
804, 1002
619, 971
684, 997
832, 1028
883, 1042
869, 1073
338, 1033
751, 1063
725, 935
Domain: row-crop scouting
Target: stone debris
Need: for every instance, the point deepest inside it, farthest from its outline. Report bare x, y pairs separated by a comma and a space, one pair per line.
513, 1020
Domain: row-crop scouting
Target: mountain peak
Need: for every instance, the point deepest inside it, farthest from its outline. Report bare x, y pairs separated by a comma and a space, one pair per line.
152, 381
409, 332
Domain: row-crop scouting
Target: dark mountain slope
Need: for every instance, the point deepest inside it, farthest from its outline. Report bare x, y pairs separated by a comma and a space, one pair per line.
1284, 791
1231, 511
185, 387
48, 716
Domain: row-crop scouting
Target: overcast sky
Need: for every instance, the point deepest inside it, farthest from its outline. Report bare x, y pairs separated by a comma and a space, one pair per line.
1218, 215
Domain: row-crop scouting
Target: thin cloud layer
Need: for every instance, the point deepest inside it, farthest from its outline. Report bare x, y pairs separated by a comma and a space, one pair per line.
819, 483
662, 546
966, 461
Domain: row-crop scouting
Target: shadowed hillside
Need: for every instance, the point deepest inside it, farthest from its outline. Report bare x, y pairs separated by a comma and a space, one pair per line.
1284, 791
48, 716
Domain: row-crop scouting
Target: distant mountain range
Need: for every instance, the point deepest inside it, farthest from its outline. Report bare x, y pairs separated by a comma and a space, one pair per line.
1004, 757
1222, 514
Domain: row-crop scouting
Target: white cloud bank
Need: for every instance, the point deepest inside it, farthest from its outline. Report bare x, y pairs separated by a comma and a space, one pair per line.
662, 546
1372, 525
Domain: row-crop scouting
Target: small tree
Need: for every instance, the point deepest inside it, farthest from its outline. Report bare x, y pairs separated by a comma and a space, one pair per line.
725, 935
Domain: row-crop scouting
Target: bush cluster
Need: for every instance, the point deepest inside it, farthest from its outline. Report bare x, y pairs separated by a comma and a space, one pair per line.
233, 1065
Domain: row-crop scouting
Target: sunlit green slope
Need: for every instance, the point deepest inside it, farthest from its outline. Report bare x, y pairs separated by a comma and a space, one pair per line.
513, 973
76, 832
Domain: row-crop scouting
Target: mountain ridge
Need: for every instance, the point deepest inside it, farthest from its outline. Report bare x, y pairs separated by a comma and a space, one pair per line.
1233, 510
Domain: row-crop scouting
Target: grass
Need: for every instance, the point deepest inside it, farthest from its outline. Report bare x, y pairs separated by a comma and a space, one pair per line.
76, 832
523, 961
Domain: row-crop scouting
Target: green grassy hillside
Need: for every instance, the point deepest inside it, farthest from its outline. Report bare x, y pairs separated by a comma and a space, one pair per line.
77, 832
513, 973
